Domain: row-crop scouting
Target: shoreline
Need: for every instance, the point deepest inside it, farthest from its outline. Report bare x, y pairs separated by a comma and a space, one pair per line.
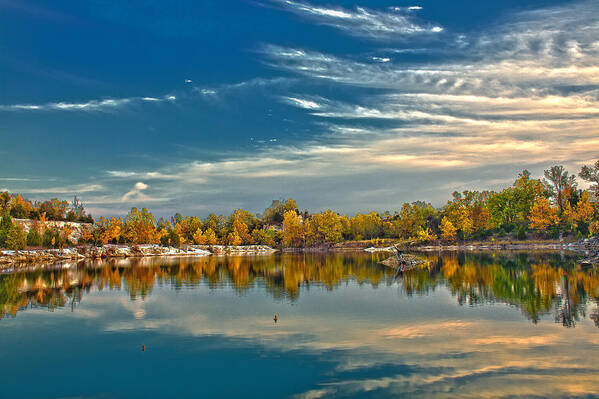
29, 258
11, 258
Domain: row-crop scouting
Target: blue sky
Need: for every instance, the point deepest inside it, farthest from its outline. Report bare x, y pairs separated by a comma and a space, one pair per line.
202, 106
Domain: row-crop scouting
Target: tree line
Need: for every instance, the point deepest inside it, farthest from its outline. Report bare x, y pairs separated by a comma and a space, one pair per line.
548, 207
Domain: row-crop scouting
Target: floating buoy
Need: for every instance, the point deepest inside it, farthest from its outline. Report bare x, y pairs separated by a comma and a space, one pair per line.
143, 347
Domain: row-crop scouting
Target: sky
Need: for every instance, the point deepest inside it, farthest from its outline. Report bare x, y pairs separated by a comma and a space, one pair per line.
208, 106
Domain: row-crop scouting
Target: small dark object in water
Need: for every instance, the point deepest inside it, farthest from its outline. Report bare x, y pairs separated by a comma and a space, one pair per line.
276, 318
143, 347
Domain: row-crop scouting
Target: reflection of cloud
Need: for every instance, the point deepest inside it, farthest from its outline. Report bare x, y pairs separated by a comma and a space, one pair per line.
517, 341
419, 331
470, 357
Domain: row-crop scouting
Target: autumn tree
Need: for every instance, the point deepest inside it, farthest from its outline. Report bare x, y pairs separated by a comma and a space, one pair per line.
240, 223
199, 238
233, 238
218, 225
268, 237
542, 215
448, 230
366, 226
293, 229
211, 238
140, 227
113, 230
325, 227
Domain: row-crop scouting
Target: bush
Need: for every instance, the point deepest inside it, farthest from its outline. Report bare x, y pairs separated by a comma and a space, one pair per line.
520, 233
34, 238
52, 239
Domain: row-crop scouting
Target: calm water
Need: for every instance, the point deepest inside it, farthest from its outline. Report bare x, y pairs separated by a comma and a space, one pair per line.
466, 325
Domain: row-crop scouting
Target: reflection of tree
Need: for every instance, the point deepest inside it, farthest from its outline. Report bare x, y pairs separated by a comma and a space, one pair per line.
536, 283
282, 276
595, 315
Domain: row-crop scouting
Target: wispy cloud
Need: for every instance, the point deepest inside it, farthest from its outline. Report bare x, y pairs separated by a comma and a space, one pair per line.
15, 179
136, 192
389, 24
70, 190
89, 106
219, 91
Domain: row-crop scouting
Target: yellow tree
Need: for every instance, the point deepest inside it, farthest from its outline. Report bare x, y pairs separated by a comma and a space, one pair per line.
140, 227
542, 215
238, 223
585, 211
290, 205
425, 235
179, 231
199, 237
448, 230
113, 231
569, 215
210, 237
43, 221
327, 227
293, 229
233, 238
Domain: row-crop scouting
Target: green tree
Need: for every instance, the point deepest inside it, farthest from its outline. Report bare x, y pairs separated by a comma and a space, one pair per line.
557, 181
16, 238
591, 175
6, 226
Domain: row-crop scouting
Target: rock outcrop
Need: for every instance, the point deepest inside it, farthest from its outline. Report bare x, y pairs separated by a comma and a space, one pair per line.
402, 262
120, 251
235, 249
76, 228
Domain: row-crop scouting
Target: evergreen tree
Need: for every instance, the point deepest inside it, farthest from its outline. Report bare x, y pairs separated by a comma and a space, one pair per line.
6, 226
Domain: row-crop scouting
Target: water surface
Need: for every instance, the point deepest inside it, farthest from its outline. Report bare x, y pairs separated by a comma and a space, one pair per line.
465, 325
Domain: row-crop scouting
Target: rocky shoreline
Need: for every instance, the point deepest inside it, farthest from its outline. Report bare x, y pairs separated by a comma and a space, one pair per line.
9, 258
588, 245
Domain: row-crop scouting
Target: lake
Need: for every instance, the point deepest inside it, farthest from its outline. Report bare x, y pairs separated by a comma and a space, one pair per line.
464, 325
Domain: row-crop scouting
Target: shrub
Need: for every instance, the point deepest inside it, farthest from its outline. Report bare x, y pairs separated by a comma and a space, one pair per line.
34, 238
52, 239
520, 233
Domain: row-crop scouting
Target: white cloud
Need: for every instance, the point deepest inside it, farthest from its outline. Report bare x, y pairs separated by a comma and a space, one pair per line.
71, 190
90, 106
381, 59
365, 22
136, 193
302, 103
